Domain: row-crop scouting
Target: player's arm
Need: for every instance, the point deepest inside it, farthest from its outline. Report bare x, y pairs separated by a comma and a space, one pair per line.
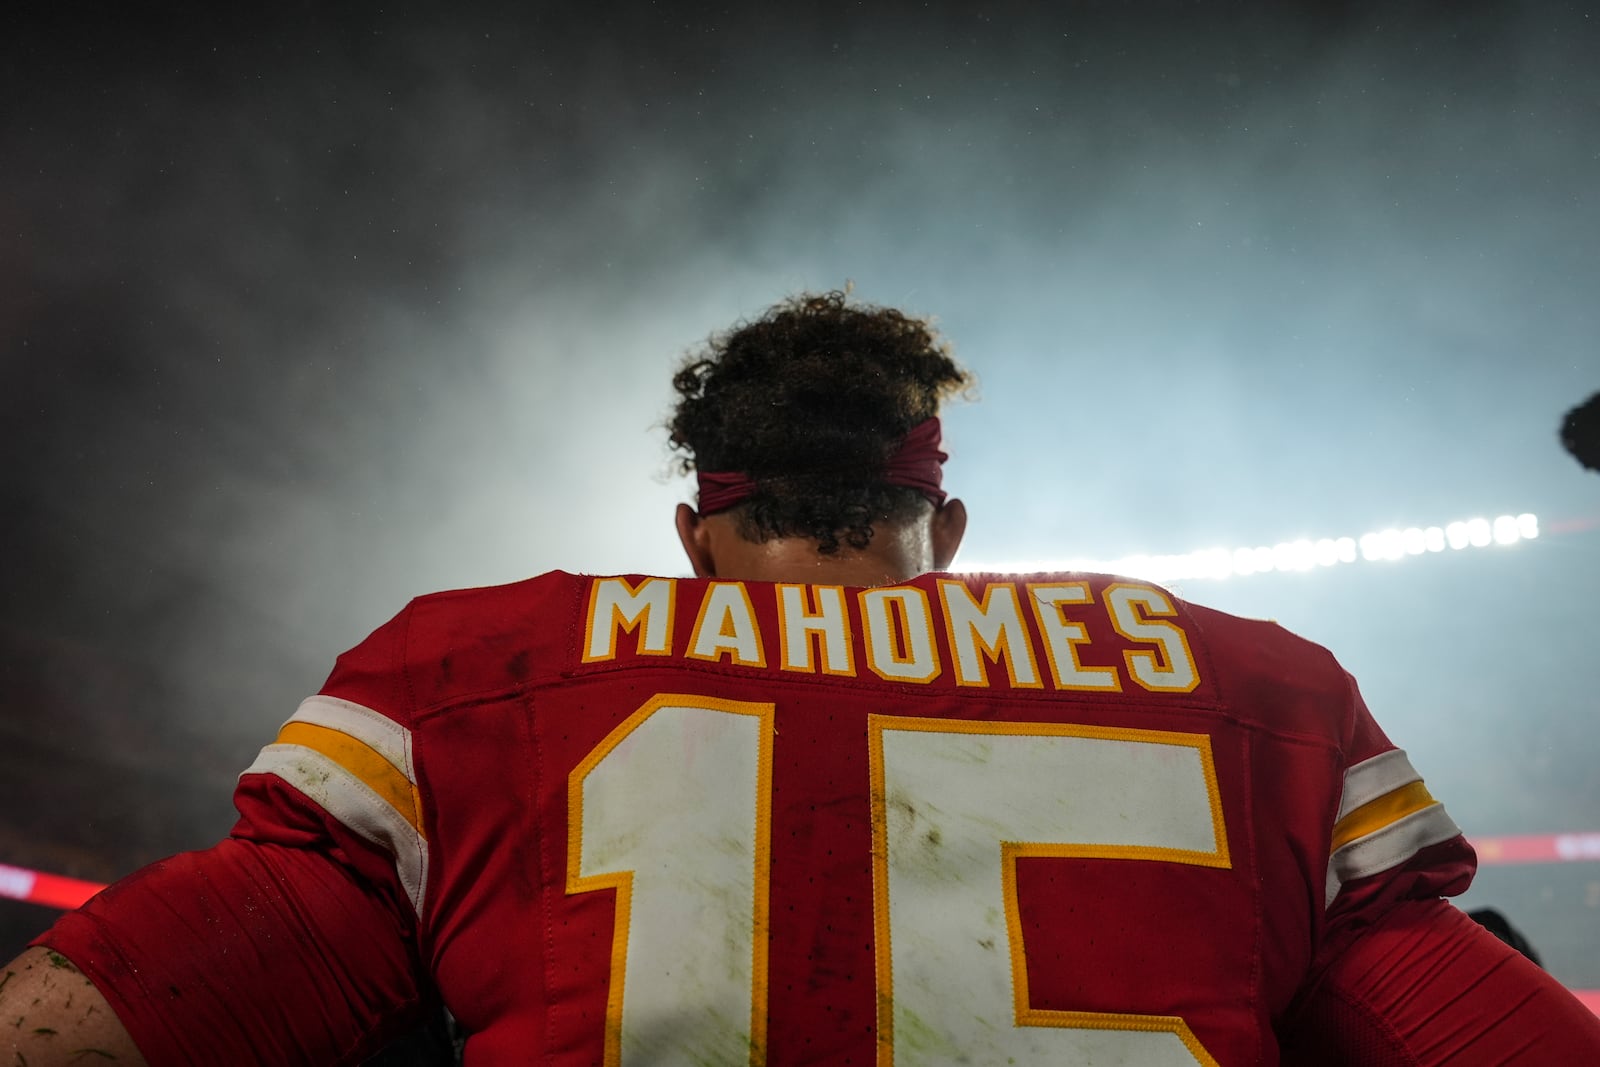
50, 1013
1426, 987
246, 952
1401, 977
294, 941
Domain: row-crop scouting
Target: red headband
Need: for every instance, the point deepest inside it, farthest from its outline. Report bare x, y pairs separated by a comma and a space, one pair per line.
915, 464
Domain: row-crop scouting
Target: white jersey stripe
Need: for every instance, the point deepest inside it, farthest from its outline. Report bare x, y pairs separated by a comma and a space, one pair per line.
1388, 847
373, 729
1371, 779
348, 799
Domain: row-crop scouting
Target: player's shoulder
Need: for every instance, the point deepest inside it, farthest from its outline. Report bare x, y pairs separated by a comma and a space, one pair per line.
491, 611
1248, 646
1256, 670
1240, 647
1271, 676
453, 644
462, 642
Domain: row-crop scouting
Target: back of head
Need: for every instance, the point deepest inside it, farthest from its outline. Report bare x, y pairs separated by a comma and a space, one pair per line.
1580, 433
810, 402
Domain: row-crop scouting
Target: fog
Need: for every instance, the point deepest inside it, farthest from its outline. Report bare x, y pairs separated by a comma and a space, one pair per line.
301, 319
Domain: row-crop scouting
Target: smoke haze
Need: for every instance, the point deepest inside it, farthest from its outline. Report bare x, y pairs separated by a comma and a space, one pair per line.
302, 318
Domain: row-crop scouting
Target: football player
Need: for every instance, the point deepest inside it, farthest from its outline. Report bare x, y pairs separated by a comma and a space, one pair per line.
823, 803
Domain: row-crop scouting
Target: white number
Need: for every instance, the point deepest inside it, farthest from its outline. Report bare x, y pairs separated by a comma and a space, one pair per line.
955, 804
672, 810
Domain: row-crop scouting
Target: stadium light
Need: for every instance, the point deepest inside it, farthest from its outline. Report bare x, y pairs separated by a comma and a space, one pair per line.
1303, 554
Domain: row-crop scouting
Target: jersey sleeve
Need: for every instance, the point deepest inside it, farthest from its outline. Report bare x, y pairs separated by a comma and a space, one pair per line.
1401, 978
347, 760
296, 939
1390, 839
1425, 986
247, 953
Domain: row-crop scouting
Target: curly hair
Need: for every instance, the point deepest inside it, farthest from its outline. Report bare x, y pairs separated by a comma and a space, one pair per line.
809, 401
1580, 433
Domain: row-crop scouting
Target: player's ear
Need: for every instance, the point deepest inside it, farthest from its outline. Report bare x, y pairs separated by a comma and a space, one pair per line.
948, 525
696, 539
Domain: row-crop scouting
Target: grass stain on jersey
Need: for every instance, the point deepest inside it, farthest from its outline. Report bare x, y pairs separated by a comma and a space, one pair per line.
704, 1037
313, 774
913, 1034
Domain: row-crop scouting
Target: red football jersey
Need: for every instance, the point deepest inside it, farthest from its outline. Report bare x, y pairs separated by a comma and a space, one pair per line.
624, 820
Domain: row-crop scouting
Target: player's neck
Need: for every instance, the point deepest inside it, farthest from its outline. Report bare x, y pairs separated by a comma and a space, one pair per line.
821, 570
894, 555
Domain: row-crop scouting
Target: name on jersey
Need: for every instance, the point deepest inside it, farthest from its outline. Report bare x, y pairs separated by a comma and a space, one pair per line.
999, 626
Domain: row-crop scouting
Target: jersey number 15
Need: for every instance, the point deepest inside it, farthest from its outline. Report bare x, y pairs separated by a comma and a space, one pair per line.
673, 812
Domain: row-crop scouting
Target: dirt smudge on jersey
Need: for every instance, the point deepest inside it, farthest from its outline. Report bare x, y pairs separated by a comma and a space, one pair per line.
517, 666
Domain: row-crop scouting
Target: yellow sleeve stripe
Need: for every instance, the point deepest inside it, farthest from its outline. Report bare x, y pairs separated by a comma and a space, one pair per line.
1369, 779
337, 791
374, 729
1373, 816
361, 760
1388, 847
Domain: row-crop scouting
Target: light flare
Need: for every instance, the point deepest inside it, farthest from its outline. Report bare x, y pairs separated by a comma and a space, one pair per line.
1303, 554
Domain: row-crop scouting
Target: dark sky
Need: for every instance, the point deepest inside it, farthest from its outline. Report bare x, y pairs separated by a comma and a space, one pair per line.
302, 317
